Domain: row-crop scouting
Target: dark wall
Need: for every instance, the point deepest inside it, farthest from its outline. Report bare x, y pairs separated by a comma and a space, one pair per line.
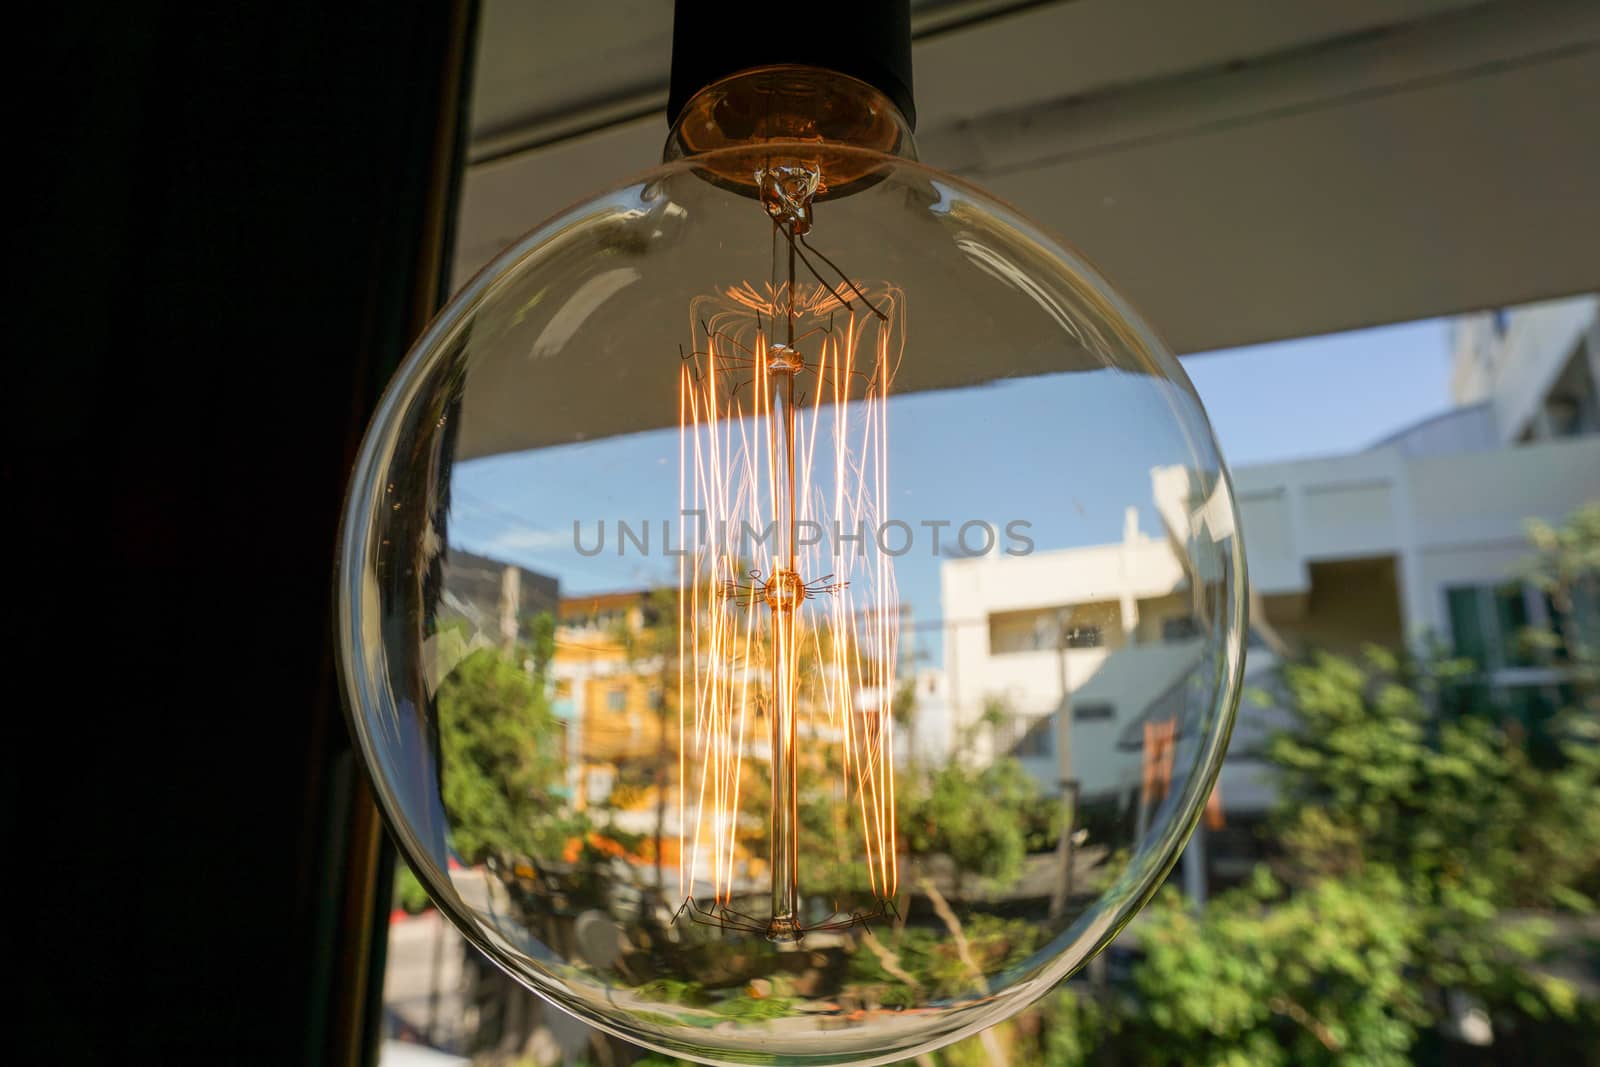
234, 222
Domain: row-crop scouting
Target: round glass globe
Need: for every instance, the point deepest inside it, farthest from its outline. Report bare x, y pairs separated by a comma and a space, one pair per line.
793, 640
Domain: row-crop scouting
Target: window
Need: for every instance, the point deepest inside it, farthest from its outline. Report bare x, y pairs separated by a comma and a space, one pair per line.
1582, 625
1093, 711
1022, 631
1487, 623
616, 699
1466, 623
1085, 637
1038, 737
1180, 628
1088, 625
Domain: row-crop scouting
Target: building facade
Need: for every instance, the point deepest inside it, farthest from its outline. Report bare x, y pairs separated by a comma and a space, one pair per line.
610, 687
1418, 538
1536, 366
496, 597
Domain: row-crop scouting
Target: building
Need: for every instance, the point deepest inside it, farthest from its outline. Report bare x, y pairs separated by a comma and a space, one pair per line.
929, 736
609, 689
483, 603
1536, 368
1069, 650
1417, 537
495, 597
633, 741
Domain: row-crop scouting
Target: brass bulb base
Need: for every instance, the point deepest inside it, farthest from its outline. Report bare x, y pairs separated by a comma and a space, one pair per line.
784, 930
767, 121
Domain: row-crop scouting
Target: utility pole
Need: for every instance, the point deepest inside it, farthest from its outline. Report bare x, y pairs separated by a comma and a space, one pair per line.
1194, 866
1069, 784
510, 605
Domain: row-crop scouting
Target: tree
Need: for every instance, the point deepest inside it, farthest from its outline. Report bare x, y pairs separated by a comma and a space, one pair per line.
1457, 809
502, 763
1260, 978
1565, 566
1372, 777
983, 817
973, 815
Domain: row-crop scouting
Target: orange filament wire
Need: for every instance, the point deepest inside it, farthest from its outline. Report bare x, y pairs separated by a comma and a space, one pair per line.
733, 462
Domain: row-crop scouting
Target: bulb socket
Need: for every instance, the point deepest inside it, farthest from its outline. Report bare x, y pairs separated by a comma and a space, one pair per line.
868, 40
788, 135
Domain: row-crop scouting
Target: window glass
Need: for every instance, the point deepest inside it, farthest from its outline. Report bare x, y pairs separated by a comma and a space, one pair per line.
1511, 618
1037, 738
1055, 628
1085, 637
1467, 625
1179, 628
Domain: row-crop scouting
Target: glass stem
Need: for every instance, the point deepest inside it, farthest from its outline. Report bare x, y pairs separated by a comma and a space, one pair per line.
785, 923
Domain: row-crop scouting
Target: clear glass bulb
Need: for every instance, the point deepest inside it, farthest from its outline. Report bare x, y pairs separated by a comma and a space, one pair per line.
930, 620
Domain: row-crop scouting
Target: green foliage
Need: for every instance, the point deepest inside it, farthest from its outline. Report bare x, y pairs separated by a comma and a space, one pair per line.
986, 819
904, 708
501, 754
409, 896
1565, 566
1262, 978
1065, 1029
931, 957
978, 816
673, 991
1456, 809
755, 1009
898, 997
1072, 1029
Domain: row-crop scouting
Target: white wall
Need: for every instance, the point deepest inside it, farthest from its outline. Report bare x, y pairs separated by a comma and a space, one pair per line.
1444, 519
1486, 497
1382, 503
1514, 371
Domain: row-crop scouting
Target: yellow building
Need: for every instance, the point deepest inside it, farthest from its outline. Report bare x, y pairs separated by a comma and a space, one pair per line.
617, 694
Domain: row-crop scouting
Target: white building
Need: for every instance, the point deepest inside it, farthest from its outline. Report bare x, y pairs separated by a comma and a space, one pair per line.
1419, 535
1104, 631
1536, 367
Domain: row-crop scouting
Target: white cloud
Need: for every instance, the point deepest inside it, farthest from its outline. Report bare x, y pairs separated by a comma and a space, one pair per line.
528, 539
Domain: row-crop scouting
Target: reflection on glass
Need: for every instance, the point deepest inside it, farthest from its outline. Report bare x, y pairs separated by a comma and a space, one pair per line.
805, 642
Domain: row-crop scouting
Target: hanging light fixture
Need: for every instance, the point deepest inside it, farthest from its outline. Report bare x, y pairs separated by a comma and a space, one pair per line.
819, 351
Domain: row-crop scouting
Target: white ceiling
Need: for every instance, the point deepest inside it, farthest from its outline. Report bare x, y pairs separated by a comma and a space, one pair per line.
1245, 170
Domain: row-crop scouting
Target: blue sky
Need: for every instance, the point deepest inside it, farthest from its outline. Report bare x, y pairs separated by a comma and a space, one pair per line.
1323, 395
1067, 452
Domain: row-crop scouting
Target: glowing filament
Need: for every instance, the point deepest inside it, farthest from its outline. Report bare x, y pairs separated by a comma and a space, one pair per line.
788, 625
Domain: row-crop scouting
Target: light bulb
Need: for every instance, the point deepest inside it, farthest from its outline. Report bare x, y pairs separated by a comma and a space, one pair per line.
923, 537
